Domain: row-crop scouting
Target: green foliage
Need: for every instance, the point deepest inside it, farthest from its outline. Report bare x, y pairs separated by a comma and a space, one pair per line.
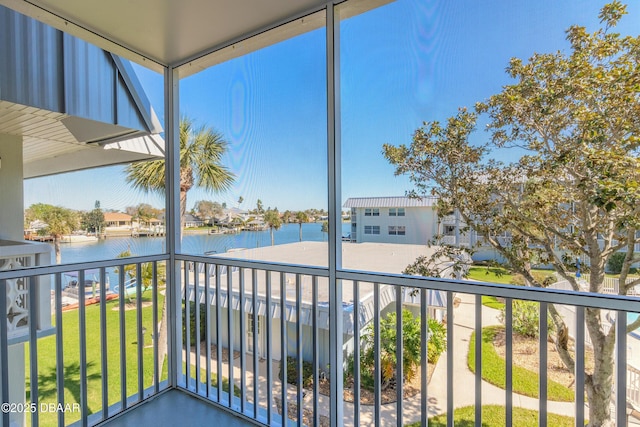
615, 262
575, 113
526, 318
437, 343
494, 370
93, 221
292, 372
201, 153
411, 342
494, 416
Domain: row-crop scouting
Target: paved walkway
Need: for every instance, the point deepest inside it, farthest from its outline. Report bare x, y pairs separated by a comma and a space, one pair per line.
463, 378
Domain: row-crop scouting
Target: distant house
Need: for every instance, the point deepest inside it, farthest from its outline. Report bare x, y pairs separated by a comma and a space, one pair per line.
393, 219
191, 221
118, 220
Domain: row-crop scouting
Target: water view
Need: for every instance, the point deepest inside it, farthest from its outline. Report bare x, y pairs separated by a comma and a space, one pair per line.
193, 244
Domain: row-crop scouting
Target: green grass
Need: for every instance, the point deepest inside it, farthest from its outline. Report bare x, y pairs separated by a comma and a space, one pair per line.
490, 274
47, 391
494, 416
524, 381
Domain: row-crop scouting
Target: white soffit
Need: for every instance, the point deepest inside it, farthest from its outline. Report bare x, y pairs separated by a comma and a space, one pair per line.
156, 33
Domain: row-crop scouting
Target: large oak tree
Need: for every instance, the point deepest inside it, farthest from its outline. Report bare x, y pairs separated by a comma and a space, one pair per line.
576, 193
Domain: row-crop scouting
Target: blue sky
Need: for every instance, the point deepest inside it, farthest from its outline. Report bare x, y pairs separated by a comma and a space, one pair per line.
407, 62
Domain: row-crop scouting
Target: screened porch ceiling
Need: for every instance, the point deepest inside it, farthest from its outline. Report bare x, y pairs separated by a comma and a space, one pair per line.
179, 33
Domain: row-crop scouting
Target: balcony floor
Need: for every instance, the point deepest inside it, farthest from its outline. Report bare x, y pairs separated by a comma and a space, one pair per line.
176, 408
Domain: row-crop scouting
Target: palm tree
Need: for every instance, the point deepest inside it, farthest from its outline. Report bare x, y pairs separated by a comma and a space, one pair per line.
59, 220
272, 219
201, 152
300, 218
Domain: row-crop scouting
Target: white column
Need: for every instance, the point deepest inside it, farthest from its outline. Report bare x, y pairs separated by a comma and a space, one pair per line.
11, 193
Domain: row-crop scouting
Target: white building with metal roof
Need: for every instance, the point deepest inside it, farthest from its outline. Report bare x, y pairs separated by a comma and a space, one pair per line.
393, 219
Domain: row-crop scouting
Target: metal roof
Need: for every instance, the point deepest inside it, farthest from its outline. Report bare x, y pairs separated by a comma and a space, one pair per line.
390, 202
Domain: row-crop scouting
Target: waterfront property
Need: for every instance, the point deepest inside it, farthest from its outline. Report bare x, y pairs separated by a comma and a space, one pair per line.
66, 104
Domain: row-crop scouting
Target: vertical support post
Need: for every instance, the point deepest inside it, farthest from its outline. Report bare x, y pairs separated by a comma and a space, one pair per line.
478, 350
139, 334
103, 339
335, 235
621, 368
579, 373
60, 350
243, 344
33, 346
450, 372
399, 357
424, 356
84, 403
207, 310
542, 407
4, 348
356, 353
509, 361
172, 219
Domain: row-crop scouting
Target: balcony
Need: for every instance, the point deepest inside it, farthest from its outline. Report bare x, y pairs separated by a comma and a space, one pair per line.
250, 314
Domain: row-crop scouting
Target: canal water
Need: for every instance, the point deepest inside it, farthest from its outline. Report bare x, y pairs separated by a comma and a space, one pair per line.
192, 244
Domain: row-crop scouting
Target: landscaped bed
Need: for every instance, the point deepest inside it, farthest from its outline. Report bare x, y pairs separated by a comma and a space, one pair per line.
525, 381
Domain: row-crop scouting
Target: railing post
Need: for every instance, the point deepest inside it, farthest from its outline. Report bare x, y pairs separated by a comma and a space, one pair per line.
4, 349
621, 368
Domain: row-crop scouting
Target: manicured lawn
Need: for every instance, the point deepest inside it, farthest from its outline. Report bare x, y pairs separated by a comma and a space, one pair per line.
494, 416
490, 274
524, 381
494, 275
71, 357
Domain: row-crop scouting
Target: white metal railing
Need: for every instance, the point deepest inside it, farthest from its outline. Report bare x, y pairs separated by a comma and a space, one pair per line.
95, 350
241, 315
463, 240
253, 319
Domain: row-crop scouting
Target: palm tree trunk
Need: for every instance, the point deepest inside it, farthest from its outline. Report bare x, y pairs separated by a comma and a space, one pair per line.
272, 243
300, 231
162, 334
56, 245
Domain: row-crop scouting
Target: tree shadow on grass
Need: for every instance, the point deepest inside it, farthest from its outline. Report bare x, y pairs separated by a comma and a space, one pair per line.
48, 387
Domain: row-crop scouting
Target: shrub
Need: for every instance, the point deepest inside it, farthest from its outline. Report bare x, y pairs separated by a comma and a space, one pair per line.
437, 343
292, 372
615, 261
526, 318
412, 343
192, 324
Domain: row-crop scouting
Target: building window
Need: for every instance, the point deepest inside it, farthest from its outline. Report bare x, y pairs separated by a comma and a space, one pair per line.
449, 230
396, 211
371, 229
250, 320
397, 230
372, 212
